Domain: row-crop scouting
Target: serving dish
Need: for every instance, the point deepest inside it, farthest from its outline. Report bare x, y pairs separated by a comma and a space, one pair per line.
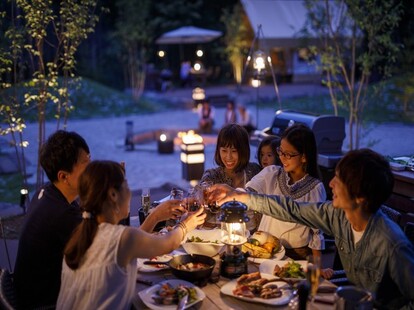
277, 256
210, 244
147, 294
229, 287
177, 262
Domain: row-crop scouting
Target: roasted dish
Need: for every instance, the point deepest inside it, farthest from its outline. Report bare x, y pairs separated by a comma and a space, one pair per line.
262, 245
253, 285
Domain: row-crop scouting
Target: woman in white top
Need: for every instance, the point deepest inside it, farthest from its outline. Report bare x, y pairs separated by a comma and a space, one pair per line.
246, 119
100, 263
297, 178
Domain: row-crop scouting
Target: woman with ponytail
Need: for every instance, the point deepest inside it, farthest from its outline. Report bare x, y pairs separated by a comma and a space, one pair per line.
99, 267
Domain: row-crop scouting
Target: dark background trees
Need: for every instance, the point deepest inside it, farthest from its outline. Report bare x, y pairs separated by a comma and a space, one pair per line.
104, 55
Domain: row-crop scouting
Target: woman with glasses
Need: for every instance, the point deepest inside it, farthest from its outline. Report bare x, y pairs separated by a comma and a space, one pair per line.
298, 178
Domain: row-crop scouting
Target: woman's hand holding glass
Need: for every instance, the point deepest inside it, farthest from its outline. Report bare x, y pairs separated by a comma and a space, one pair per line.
194, 219
170, 209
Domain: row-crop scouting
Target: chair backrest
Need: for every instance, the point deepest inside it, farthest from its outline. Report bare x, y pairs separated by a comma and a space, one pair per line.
409, 231
7, 293
391, 213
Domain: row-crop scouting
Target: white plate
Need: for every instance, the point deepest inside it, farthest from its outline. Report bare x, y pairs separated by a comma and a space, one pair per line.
146, 295
397, 166
161, 258
277, 256
228, 288
268, 266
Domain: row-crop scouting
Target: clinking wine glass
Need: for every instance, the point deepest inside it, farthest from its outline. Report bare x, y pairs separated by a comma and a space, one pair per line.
211, 205
313, 273
177, 194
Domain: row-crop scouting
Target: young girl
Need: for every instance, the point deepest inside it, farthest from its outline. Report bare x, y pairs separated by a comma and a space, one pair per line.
232, 157
298, 178
100, 264
266, 152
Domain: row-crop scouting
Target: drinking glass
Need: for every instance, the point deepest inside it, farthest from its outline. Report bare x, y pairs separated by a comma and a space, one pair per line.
211, 205
192, 202
179, 195
313, 273
146, 200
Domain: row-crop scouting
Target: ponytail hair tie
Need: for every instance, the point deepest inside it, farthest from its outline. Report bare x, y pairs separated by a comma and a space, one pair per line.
86, 215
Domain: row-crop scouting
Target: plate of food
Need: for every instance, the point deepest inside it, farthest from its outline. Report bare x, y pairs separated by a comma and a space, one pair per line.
259, 288
286, 269
152, 268
263, 246
162, 258
167, 294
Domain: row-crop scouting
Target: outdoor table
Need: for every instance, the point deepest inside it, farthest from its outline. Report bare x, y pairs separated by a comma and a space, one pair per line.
214, 299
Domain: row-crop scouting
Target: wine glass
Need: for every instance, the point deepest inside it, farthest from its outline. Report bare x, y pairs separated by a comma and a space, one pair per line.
192, 201
313, 273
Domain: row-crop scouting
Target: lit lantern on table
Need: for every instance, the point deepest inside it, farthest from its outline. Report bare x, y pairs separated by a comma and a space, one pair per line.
192, 155
233, 218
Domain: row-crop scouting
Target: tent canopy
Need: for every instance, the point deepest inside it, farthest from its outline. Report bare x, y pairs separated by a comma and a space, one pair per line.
281, 20
188, 35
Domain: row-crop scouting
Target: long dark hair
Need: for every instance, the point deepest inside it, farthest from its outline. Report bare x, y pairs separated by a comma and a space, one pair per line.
94, 184
234, 135
303, 139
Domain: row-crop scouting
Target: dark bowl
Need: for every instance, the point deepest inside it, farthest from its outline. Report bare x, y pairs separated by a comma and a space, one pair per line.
192, 276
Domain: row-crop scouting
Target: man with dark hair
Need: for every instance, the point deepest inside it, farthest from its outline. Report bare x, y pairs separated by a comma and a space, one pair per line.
53, 215
374, 251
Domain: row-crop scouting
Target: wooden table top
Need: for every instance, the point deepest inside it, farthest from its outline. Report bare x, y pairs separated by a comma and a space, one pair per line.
214, 298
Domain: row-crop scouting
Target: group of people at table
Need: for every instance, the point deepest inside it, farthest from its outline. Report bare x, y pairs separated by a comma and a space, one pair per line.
74, 254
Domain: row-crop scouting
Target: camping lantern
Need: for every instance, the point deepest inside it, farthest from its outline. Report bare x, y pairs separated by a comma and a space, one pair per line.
192, 156
233, 218
259, 64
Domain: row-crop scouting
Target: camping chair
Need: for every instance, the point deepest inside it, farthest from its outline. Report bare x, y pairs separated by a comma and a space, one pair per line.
7, 293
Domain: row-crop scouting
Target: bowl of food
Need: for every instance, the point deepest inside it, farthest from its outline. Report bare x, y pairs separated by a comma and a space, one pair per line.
203, 242
191, 268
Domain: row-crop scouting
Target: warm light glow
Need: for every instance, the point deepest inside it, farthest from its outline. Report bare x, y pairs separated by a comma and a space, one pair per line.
234, 233
259, 60
255, 83
190, 137
163, 137
24, 191
197, 66
198, 94
192, 158
161, 54
199, 53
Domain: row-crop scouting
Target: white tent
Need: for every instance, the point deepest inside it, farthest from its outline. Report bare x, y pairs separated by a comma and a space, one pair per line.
281, 20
